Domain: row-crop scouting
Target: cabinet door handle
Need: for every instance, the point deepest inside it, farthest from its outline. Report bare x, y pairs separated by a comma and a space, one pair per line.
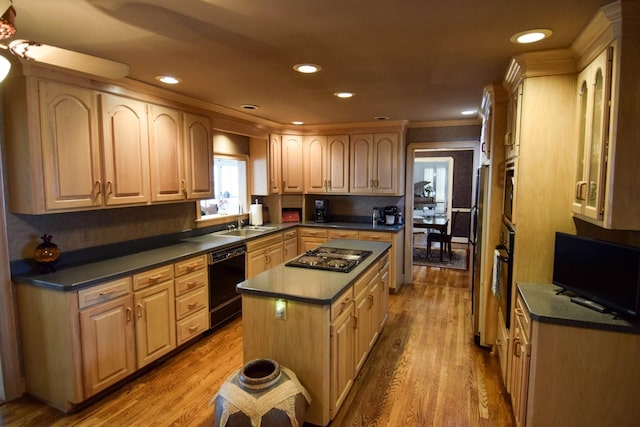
517, 350
507, 139
109, 189
183, 187
98, 186
129, 312
355, 322
139, 310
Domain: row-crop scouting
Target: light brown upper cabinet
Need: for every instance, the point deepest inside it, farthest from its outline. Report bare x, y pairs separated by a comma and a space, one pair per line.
326, 164
292, 176
67, 138
594, 84
376, 166
126, 150
607, 174
71, 148
166, 154
275, 163
198, 146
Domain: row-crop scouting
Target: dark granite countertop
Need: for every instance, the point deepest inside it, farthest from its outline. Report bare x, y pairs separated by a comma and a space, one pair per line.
361, 226
546, 306
309, 285
90, 274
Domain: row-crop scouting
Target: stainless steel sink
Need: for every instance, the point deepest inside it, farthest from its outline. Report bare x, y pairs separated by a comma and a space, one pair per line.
251, 230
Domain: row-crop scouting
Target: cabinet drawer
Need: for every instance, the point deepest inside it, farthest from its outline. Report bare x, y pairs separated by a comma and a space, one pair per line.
364, 281
152, 277
377, 236
105, 292
290, 234
383, 262
190, 282
341, 304
192, 326
191, 302
313, 232
273, 239
190, 265
342, 234
522, 313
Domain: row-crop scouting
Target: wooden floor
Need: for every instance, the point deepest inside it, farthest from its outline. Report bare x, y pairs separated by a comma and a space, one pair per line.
425, 370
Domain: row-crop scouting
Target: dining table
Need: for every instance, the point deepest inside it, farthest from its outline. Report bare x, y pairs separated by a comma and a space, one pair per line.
433, 222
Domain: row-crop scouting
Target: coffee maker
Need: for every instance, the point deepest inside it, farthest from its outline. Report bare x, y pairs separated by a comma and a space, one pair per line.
391, 215
322, 211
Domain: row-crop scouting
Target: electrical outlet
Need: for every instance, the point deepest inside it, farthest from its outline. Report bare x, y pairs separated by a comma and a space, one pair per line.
281, 309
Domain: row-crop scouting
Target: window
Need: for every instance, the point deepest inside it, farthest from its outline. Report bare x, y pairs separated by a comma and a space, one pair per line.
230, 187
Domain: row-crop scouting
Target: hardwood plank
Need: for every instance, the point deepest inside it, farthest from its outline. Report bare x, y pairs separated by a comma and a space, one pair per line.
425, 370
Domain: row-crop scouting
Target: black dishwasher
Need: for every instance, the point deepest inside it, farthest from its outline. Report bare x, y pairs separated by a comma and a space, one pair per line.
226, 270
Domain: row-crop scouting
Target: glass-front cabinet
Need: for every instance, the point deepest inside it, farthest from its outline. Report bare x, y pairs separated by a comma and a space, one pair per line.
594, 95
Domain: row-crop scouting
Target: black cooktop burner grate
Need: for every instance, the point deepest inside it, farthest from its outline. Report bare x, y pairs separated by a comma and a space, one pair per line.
330, 259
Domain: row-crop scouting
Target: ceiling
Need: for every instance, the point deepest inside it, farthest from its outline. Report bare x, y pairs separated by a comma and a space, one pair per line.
415, 60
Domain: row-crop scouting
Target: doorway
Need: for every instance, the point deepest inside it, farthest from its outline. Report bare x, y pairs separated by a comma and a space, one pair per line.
456, 186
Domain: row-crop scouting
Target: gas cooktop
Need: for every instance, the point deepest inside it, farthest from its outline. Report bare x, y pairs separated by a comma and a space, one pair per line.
330, 259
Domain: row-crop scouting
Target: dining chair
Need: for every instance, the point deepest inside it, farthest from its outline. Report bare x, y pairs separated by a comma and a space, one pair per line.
443, 238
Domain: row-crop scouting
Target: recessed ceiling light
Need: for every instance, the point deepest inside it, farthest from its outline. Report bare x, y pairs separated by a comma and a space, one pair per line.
250, 106
170, 80
531, 36
297, 123
468, 112
344, 94
307, 68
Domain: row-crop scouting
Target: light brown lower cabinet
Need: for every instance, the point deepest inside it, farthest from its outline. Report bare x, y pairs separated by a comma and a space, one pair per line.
290, 244
263, 254
568, 375
108, 343
328, 360
78, 343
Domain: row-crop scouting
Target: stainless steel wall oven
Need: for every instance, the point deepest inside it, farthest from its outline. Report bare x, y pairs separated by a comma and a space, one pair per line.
226, 270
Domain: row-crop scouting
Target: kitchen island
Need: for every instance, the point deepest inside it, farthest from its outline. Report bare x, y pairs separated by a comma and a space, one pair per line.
320, 324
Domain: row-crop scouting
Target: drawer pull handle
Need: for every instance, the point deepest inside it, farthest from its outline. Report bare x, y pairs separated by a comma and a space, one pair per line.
519, 312
107, 292
192, 284
192, 266
155, 278
194, 328
192, 305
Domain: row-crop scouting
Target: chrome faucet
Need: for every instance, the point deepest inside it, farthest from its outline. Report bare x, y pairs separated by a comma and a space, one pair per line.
240, 220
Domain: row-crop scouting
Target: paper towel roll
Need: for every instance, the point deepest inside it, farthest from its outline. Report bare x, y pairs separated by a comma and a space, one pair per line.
255, 214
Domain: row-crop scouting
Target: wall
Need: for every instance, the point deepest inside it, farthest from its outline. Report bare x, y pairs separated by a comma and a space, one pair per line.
434, 137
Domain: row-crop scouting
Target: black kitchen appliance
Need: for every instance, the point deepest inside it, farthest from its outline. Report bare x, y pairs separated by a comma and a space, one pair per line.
391, 215
226, 270
322, 211
330, 259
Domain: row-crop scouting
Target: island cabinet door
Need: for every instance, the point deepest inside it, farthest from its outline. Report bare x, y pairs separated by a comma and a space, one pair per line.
108, 346
342, 358
362, 328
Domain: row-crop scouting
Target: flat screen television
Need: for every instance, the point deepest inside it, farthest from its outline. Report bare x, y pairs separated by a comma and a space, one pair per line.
603, 272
